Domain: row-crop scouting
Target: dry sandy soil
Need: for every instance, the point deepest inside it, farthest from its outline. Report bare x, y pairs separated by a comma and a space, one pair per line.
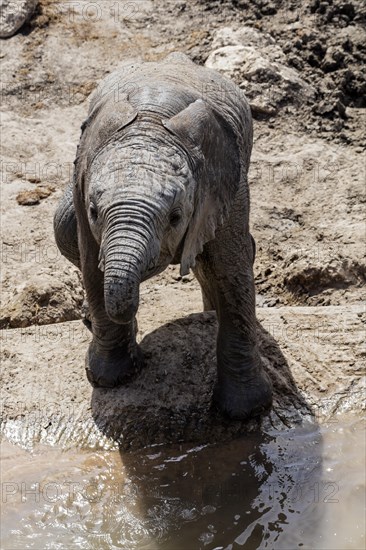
307, 177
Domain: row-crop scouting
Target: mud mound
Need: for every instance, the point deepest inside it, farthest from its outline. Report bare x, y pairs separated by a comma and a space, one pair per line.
324, 43
258, 65
309, 280
311, 355
42, 301
305, 281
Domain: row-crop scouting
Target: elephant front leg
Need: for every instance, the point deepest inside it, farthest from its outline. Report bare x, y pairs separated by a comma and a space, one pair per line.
224, 270
113, 356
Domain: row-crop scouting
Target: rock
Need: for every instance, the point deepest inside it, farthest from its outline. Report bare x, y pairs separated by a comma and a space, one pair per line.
261, 106
29, 198
313, 356
245, 36
13, 15
258, 65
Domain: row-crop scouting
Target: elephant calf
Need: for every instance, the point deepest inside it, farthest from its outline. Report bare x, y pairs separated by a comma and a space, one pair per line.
161, 178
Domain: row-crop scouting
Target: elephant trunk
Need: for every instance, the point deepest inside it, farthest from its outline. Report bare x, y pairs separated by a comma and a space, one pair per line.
130, 248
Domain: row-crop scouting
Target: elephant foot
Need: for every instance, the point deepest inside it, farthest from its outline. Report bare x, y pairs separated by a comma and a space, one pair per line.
107, 369
243, 399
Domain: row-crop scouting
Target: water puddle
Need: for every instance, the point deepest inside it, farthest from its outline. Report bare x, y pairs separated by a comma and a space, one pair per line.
301, 488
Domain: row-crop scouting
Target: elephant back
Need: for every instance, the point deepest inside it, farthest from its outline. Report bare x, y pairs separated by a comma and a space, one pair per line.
166, 87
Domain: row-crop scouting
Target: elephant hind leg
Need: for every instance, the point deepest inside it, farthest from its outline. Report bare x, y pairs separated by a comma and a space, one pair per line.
65, 228
225, 272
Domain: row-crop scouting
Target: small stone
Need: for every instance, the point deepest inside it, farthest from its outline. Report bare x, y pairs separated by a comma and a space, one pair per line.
333, 59
13, 15
30, 198
271, 302
260, 107
33, 179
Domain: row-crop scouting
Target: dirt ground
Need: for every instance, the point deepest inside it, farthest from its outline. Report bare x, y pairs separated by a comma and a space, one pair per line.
307, 176
313, 355
308, 169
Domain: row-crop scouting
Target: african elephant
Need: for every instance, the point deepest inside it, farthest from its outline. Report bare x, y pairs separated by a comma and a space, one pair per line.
161, 178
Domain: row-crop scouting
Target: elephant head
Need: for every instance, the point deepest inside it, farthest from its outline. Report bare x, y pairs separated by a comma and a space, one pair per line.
154, 190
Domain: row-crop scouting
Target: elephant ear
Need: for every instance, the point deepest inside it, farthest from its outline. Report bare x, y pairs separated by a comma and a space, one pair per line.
212, 146
107, 116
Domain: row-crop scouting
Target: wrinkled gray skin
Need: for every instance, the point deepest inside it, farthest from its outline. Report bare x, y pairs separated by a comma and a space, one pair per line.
161, 178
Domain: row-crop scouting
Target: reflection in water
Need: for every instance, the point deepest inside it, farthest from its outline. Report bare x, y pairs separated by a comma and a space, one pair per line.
303, 488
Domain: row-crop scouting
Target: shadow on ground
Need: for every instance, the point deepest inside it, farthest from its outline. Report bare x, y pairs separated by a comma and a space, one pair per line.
207, 481
170, 400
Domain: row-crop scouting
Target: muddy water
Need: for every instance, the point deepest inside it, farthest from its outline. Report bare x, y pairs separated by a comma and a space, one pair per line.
301, 488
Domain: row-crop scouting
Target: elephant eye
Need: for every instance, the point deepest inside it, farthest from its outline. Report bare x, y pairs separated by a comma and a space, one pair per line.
93, 212
175, 217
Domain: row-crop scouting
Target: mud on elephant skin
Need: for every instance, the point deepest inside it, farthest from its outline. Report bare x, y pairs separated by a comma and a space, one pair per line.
161, 178
170, 401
